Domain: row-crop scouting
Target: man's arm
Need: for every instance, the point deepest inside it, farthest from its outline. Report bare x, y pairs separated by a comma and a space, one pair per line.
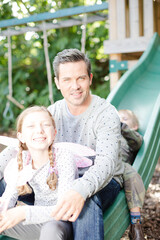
107, 132
107, 161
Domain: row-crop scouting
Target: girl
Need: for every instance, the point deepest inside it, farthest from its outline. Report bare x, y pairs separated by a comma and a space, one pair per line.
38, 165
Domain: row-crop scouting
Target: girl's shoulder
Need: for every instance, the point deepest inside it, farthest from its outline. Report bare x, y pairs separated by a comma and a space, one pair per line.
11, 173
11, 170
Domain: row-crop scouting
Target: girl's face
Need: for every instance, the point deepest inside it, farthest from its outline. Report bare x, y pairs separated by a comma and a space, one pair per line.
38, 132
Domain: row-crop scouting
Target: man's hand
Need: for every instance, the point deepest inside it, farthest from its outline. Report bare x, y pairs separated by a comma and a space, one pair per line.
68, 207
11, 217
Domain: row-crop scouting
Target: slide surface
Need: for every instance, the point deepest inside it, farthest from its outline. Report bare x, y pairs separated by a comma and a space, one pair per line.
138, 90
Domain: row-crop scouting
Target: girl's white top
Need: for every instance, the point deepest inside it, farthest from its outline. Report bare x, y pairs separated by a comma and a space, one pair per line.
45, 198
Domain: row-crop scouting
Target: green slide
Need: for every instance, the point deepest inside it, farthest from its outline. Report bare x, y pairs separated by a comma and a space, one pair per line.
6, 238
138, 90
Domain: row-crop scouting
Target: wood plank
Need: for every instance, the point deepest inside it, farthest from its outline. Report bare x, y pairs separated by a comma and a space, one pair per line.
131, 63
121, 19
112, 19
114, 76
158, 18
141, 29
134, 18
127, 45
59, 24
127, 19
148, 18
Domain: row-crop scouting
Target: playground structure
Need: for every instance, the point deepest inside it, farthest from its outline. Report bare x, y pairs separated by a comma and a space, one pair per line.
132, 23
138, 90
42, 22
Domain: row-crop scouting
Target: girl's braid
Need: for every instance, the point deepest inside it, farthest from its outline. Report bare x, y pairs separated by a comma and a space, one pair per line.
52, 178
19, 157
25, 189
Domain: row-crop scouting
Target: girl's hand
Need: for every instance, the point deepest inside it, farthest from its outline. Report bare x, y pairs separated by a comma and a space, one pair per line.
11, 217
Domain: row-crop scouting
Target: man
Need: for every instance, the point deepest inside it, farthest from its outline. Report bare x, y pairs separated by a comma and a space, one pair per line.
89, 120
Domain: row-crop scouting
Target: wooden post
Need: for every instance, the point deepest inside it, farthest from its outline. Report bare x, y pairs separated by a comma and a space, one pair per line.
115, 76
148, 18
112, 19
134, 18
48, 66
113, 34
121, 20
141, 17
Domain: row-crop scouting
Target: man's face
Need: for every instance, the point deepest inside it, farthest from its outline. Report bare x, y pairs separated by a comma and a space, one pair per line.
74, 83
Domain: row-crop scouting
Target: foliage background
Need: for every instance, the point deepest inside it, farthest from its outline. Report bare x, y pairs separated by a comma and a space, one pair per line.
29, 74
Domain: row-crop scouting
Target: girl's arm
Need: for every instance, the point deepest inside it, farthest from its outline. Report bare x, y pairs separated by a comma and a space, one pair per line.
10, 194
11, 217
5, 156
37, 214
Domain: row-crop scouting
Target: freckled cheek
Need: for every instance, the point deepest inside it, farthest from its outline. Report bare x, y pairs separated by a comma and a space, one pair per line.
26, 135
52, 134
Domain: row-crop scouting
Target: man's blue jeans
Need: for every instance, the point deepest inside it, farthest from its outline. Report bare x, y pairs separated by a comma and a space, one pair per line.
2, 186
89, 225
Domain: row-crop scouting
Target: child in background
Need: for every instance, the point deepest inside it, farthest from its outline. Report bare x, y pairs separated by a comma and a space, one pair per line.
36, 132
131, 142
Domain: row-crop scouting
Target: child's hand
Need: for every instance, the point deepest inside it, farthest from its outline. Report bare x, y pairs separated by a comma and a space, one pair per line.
11, 217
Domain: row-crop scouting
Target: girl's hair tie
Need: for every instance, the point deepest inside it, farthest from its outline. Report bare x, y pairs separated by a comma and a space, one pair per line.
51, 170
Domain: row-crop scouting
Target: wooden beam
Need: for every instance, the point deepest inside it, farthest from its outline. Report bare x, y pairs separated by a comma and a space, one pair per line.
131, 63
148, 18
158, 18
59, 24
58, 14
112, 19
121, 19
134, 18
113, 34
141, 17
127, 18
115, 76
127, 45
